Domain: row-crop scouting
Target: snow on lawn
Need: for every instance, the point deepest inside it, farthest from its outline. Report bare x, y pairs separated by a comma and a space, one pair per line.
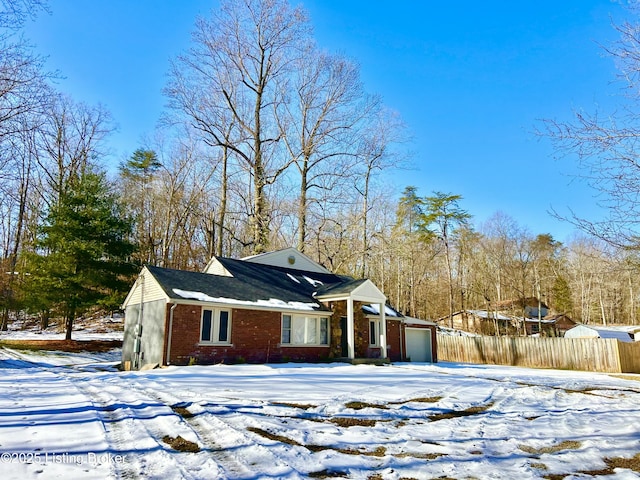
295, 421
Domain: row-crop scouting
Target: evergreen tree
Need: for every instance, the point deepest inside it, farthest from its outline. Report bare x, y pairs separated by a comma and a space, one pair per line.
82, 252
442, 218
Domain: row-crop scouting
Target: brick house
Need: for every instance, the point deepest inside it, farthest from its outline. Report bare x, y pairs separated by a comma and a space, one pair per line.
275, 307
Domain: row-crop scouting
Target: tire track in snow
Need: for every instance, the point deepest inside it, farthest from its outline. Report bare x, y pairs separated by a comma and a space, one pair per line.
134, 428
232, 446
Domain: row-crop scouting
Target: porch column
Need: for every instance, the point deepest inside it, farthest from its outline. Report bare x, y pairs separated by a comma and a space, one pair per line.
383, 332
351, 343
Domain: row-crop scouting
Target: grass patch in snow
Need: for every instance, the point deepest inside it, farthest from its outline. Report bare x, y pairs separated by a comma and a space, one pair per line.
564, 445
180, 444
301, 406
418, 400
347, 422
423, 456
182, 411
274, 437
467, 412
377, 452
328, 474
632, 463
362, 405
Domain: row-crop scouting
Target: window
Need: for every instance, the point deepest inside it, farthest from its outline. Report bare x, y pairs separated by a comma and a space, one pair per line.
374, 333
301, 330
216, 326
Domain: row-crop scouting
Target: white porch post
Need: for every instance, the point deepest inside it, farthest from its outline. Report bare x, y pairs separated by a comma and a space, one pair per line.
350, 329
383, 332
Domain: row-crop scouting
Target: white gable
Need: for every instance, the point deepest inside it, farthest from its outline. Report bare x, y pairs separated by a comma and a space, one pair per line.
214, 267
368, 292
146, 289
287, 258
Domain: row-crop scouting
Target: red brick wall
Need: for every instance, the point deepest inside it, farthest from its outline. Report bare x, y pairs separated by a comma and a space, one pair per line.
256, 335
255, 338
394, 332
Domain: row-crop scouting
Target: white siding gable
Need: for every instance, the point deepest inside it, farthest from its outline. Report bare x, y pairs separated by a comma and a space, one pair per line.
287, 258
214, 267
146, 289
368, 292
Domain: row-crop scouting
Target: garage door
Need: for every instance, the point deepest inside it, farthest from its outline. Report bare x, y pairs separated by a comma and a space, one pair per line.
419, 344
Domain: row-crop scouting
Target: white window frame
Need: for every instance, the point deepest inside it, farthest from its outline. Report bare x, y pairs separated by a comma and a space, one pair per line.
374, 332
306, 325
214, 329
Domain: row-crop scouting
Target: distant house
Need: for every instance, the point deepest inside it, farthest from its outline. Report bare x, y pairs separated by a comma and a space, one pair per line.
279, 306
501, 323
624, 334
481, 321
528, 307
552, 325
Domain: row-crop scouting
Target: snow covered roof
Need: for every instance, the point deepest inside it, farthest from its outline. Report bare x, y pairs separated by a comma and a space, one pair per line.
584, 331
417, 321
489, 315
252, 284
374, 309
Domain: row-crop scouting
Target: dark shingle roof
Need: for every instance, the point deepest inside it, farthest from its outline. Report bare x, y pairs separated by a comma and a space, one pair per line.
250, 283
255, 283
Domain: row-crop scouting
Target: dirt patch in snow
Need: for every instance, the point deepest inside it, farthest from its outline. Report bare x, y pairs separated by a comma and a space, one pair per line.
180, 444
475, 410
565, 445
346, 422
63, 345
363, 405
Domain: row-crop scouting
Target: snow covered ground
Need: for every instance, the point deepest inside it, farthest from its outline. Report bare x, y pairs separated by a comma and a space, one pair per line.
75, 417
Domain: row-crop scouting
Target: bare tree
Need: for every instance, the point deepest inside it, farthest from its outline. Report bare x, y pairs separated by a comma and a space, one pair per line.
71, 140
320, 123
606, 146
377, 152
231, 83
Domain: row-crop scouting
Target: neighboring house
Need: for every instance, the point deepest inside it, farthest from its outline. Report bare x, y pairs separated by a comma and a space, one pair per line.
481, 321
552, 325
274, 307
528, 307
545, 326
624, 334
499, 323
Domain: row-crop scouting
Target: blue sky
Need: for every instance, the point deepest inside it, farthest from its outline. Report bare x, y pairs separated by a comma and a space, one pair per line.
470, 79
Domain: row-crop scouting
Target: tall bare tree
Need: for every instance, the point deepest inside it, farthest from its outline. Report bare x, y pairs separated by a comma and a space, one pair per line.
231, 83
605, 145
327, 111
70, 141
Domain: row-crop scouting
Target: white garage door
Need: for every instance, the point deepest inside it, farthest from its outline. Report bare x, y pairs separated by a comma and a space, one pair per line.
419, 344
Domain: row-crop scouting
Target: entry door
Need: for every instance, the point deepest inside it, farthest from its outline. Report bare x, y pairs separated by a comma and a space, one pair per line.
344, 341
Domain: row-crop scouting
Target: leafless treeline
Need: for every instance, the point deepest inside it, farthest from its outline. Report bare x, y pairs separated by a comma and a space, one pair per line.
270, 142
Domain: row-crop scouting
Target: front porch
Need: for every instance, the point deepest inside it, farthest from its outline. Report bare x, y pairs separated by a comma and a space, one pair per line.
358, 337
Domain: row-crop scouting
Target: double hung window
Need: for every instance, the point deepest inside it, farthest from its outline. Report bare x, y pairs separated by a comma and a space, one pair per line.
303, 330
215, 326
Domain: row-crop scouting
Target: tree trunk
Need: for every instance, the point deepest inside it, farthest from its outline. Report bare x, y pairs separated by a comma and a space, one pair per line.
222, 212
302, 207
69, 325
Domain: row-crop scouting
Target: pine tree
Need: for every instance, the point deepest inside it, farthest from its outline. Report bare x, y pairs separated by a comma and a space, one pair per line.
82, 252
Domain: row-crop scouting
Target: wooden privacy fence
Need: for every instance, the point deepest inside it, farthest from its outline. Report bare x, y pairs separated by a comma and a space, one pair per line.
590, 354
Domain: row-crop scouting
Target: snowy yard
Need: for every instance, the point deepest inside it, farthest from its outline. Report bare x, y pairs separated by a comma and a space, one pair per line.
62, 416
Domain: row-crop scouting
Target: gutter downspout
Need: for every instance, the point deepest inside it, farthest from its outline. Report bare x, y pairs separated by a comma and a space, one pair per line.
173, 307
137, 341
403, 338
